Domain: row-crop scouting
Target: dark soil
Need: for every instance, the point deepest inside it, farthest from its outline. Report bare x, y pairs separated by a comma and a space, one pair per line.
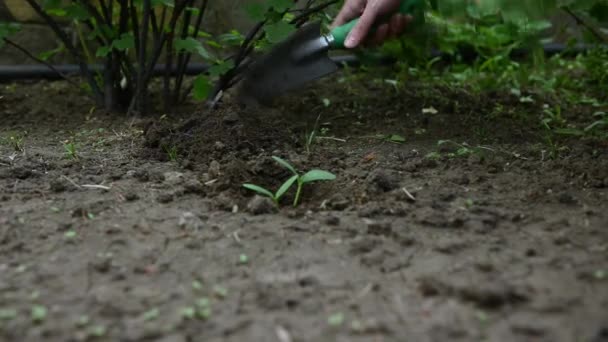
412, 242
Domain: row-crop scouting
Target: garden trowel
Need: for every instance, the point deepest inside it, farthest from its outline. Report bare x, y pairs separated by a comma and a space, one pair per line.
303, 57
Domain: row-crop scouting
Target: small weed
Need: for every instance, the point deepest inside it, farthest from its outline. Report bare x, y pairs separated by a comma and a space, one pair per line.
310, 138
7, 314
243, 259
82, 321
196, 285
151, 314
336, 319
464, 149
300, 180
171, 152
393, 138
70, 149
70, 235
220, 291
39, 313
98, 331
14, 141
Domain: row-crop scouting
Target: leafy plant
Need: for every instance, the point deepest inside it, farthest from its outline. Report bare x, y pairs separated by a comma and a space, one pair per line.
297, 178
134, 40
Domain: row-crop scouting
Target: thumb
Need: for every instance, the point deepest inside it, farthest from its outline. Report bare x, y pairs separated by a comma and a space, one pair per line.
361, 30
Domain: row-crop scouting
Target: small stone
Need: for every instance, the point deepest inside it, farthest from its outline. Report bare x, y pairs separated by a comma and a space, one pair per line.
165, 197
384, 181
338, 202
193, 186
332, 220
214, 169
259, 205
173, 178
141, 175
379, 228
131, 196
231, 118
566, 198
58, 185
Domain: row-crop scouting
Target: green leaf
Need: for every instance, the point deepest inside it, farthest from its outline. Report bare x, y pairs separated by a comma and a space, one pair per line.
191, 45
259, 190
7, 29
278, 31
285, 164
48, 54
103, 51
126, 41
77, 12
256, 11
280, 5
202, 87
283, 189
221, 68
38, 313
317, 175
396, 138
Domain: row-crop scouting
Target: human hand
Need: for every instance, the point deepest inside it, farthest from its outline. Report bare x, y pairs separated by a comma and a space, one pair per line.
370, 11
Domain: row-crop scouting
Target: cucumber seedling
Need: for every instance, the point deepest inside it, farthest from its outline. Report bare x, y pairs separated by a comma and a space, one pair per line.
296, 178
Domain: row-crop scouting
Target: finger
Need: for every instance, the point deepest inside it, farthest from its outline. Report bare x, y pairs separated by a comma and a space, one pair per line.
360, 31
396, 25
347, 13
381, 34
399, 24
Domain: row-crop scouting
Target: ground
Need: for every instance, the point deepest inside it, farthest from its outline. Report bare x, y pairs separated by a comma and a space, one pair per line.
139, 229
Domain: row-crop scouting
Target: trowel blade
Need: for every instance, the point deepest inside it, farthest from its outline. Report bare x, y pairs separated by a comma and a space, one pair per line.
286, 67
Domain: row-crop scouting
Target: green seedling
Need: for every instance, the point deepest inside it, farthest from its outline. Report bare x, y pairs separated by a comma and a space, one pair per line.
151, 314
297, 178
7, 314
265, 192
70, 149
38, 313
308, 177
171, 152
310, 138
336, 319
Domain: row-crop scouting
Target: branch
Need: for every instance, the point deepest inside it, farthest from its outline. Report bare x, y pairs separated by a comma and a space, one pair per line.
41, 61
581, 22
184, 63
84, 69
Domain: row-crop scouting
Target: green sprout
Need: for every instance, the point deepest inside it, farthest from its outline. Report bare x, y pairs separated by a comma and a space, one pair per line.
297, 178
70, 149
171, 152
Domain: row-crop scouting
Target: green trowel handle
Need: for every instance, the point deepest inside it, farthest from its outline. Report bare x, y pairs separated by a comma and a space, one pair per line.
341, 32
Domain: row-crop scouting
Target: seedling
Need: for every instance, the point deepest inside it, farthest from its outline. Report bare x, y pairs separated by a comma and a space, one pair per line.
171, 152
310, 138
300, 180
70, 149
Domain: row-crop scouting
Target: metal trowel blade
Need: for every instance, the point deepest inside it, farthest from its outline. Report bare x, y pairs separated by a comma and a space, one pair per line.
301, 58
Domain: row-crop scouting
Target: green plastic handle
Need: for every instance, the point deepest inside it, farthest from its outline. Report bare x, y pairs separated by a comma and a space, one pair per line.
412, 7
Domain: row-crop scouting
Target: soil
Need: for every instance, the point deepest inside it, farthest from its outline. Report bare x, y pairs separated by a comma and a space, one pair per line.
145, 233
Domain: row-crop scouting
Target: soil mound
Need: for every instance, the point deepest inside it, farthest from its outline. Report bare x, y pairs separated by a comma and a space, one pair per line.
229, 132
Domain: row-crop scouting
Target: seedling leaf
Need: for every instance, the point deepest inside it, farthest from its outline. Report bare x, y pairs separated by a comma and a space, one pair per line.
283, 189
259, 190
317, 175
285, 164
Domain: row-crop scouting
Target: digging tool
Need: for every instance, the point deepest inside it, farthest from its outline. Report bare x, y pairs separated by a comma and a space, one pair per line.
303, 57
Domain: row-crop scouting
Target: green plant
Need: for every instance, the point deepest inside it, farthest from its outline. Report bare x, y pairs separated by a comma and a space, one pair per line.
70, 148
310, 137
132, 38
171, 152
297, 178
